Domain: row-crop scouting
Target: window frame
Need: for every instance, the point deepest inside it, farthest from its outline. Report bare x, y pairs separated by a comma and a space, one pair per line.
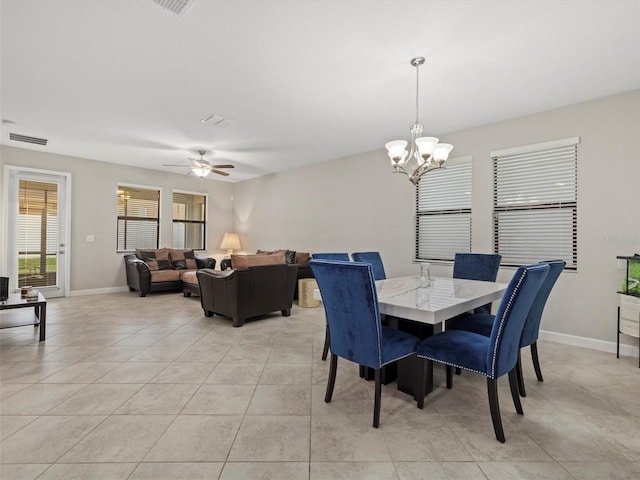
544, 152
202, 222
126, 218
443, 213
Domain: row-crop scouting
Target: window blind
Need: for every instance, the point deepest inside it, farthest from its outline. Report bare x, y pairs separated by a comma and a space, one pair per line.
138, 218
443, 212
535, 203
189, 220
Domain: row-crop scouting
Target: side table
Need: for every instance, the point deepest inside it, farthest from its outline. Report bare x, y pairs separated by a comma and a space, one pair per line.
39, 306
306, 286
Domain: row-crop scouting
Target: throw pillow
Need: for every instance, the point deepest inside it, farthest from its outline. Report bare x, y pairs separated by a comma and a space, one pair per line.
183, 259
302, 257
245, 261
160, 256
290, 256
267, 252
152, 264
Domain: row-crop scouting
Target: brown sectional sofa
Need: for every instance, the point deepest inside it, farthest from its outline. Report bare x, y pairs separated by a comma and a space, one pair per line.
290, 257
164, 269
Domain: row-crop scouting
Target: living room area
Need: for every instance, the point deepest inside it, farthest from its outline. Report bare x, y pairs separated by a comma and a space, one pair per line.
131, 387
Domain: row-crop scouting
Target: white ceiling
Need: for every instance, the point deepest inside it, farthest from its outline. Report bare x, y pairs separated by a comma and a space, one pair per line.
127, 81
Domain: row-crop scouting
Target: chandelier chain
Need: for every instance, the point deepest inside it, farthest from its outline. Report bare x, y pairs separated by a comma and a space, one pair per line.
417, 90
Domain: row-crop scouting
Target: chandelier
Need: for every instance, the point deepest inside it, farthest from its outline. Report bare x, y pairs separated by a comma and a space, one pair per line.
425, 153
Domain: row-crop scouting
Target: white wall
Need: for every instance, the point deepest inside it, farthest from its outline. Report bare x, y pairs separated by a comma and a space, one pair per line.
96, 265
355, 203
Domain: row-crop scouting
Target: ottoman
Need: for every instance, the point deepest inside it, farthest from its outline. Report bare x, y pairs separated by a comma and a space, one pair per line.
190, 283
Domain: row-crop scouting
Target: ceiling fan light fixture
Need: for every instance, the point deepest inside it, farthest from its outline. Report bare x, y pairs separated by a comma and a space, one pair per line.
201, 171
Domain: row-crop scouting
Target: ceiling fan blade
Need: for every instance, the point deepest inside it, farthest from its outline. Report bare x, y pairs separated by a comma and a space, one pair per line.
225, 174
174, 165
222, 166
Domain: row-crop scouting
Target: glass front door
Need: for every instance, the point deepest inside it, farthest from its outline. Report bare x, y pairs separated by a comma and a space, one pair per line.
36, 225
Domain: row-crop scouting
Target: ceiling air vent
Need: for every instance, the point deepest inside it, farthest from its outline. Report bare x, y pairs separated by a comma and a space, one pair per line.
24, 138
176, 6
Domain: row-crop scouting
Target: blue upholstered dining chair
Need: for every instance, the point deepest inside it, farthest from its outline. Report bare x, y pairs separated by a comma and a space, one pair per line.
329, 256
477, 266
483, 323
491, 356
375, 260
350, 303
473, 266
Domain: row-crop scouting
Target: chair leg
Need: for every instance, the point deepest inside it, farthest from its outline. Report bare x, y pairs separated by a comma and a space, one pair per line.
421, 374
238, 322
331, 381
449, 376
458, 371
536, 362
325, 349
494, 406
514, 385
376, 402
521, 389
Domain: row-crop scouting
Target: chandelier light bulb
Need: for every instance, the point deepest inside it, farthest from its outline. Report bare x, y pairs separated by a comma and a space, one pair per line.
397, 151
441, 152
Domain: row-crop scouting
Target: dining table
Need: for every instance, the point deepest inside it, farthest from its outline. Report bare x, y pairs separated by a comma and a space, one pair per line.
410, 305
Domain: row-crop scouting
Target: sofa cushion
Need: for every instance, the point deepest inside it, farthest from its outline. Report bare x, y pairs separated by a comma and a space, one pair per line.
245, 261
165, 275
157, 259
189, 276
182, 259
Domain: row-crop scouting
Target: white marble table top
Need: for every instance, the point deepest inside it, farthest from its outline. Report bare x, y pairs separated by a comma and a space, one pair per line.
444, 299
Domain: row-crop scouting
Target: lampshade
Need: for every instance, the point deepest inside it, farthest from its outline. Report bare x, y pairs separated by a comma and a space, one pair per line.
230, 242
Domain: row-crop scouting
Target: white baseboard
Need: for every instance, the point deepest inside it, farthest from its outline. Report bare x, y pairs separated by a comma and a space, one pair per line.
98, 291
592, 343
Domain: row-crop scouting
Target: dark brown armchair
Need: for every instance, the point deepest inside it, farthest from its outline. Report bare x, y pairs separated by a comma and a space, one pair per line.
248, 292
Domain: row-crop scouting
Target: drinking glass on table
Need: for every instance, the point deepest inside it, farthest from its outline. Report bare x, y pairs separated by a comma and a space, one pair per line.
424, 279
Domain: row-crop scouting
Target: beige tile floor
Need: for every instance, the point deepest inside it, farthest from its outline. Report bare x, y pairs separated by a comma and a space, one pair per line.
148, 388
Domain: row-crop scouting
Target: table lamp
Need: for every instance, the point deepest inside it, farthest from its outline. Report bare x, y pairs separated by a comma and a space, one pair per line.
230, 242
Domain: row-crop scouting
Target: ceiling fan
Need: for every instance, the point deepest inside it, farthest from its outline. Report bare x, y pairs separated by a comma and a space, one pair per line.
201, 168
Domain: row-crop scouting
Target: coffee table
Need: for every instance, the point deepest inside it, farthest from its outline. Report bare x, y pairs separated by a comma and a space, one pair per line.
39, 306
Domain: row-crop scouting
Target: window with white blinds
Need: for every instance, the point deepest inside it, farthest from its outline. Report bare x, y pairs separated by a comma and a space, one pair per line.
443, 211
138, 217
535, 203
189, 220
